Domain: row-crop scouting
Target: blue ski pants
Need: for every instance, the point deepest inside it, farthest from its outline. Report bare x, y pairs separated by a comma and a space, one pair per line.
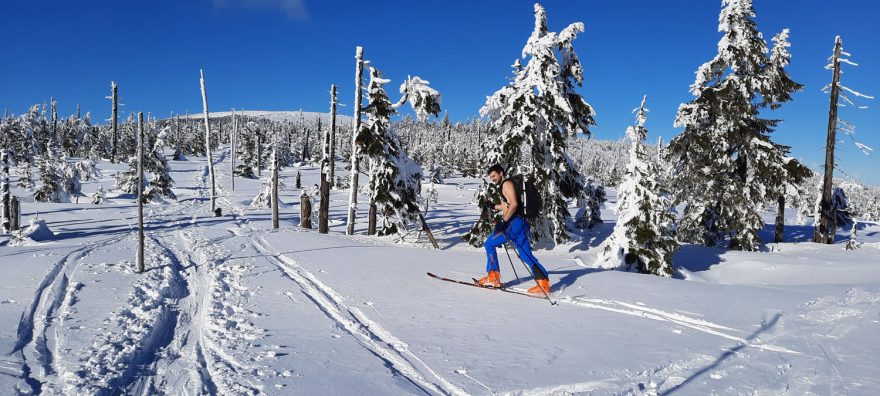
517, 229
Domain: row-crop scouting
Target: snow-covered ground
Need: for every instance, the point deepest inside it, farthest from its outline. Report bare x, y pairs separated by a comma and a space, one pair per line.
229, 306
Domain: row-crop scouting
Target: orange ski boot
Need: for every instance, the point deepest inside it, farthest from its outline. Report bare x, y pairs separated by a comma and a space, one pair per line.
493, 279
542, 287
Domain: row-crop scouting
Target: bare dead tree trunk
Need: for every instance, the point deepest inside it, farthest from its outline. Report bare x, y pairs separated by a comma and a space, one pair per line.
331, 176
358, 97
4, 189
324, 215
54, 115
326, 168
306, 155
208, 144
15, 218
114, 120
305, 210
780, 219
177, 131
259, 154
371, 219
140, 194
275, 202
428, 232
822, 233
234, 151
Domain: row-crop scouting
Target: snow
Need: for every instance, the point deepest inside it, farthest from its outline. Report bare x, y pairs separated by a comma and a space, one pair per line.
287, 116
229, 306
37, 231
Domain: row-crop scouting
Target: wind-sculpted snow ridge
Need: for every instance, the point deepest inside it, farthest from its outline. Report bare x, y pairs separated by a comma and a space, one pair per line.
370, 334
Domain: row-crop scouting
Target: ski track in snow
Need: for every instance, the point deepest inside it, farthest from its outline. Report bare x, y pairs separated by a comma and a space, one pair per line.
664, 316
214, 326
128, 346
32, 344
160, 341
368, 333
186, 328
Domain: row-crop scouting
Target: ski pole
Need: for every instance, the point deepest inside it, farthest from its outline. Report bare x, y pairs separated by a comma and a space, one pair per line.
511, 262
527, 267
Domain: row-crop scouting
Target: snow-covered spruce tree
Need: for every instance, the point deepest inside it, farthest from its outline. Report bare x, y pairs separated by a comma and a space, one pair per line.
395, 180
853, 243
590, 205
247, 146
39, 129
425, 100
26, 181
644, 236
840, 215
70, 176
282, 152
99, 195
158, 183
52, 180
90, 141
32, 136
87, 168
263, 199
726, 166
534, 116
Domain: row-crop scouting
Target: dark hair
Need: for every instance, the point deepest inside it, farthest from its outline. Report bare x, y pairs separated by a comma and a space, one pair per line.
495, 168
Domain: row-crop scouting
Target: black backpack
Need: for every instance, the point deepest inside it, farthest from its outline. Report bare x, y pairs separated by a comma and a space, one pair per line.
528, 196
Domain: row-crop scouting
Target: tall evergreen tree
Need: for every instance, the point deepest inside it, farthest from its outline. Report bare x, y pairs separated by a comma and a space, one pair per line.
158, 183
247, 156
726, 165
52, 180
644, 237
395, 179
534, 116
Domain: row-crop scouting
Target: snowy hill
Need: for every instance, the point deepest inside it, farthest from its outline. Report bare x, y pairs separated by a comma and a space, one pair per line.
282, 116
229, 306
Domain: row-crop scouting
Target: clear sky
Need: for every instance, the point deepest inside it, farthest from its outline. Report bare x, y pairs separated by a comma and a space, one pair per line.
284, 54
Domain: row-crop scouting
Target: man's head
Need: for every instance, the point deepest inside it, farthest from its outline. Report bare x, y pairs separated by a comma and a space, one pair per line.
496, 173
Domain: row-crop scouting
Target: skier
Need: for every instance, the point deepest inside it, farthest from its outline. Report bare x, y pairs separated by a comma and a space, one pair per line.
514, 226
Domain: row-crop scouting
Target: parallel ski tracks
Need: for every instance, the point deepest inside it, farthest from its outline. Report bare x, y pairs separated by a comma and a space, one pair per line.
672, 317
368, 333
32, 345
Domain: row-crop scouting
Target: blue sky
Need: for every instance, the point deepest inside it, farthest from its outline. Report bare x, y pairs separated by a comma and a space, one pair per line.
284, 54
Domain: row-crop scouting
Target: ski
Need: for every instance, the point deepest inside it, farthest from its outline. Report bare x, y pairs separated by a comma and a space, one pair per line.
474, 283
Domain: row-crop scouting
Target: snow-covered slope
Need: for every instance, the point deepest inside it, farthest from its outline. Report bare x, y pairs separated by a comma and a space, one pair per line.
281, 116
229, 306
